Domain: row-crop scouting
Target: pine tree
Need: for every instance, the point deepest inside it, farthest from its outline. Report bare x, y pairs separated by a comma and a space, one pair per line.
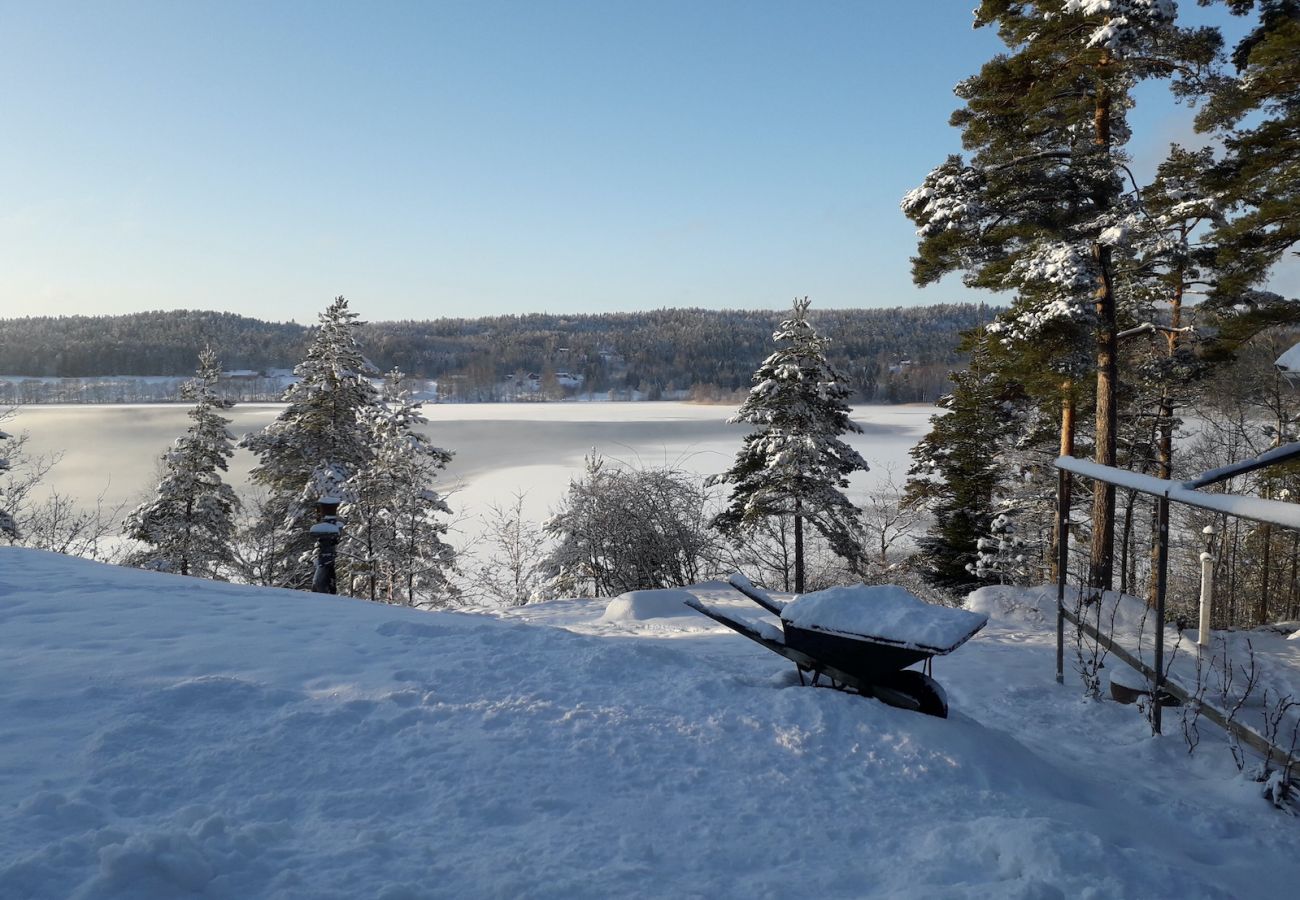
394, 548
1045, 198
1258, 114
188, 526
954, 474
317, 443
794, 462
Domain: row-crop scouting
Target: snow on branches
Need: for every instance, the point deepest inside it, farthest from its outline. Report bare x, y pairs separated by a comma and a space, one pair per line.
1123, 23
794, 462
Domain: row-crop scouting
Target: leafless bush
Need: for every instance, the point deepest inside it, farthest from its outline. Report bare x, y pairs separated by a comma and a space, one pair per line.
512, 574
623, 528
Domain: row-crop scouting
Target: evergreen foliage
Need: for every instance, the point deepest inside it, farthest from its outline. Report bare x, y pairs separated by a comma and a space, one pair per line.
317, 443
890, 355
955, 474
1258, 115
794, 463
394, 548
188, 527
1044, 205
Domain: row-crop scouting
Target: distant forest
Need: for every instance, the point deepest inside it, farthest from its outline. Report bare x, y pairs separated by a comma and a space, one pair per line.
901, 354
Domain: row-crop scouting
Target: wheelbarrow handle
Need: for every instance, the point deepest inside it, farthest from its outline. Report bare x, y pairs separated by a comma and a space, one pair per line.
755, 593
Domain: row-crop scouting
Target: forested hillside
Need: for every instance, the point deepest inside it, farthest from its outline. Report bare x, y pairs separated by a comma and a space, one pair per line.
900, 354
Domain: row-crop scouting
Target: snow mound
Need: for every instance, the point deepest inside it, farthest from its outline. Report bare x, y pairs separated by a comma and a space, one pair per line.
638, 606
884, 611
1004, 603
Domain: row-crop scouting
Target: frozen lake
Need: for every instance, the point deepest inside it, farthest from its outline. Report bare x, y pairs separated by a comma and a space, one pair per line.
500, 448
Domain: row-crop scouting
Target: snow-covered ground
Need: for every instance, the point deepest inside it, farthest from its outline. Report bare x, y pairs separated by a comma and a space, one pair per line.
165, 737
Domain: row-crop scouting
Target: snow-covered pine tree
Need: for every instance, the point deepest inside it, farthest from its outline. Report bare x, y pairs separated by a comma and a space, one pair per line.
1045, 196
188, 526
394, 548
317, 443
1017, 549
1258, 116
794, 462
954, 475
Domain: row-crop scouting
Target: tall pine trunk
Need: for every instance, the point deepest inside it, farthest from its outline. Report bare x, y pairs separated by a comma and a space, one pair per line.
1101, 552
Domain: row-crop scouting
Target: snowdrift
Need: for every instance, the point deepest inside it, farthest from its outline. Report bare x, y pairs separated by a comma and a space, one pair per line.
164, 737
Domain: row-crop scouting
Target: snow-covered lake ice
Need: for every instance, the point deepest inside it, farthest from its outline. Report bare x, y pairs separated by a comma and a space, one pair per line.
501, 448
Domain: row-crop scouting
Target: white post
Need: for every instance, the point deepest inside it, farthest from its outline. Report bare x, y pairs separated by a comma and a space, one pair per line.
1207, 586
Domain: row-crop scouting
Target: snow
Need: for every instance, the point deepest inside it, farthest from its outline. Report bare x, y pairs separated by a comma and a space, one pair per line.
637, 606
1277, 512
1289, 362
167, 737
884, 611
741, 582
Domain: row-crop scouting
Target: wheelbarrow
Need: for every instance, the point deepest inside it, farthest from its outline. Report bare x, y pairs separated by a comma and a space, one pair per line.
859, 639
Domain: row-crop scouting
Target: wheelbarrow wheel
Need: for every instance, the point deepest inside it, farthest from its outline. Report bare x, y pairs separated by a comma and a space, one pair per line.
910, 689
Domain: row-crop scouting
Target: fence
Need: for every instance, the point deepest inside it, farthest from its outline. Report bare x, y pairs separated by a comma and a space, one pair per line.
1275, 512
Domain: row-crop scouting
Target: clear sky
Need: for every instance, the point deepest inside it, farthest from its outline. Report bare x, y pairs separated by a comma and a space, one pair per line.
465, 158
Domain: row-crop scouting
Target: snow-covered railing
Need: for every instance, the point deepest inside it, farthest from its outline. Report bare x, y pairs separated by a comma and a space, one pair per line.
1259, 509
1277, 455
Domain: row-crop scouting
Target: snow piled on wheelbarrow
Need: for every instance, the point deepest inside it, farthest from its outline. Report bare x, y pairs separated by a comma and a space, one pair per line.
885, 612
167, 737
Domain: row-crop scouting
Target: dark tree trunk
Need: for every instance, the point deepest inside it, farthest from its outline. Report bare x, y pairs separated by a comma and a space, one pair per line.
798, 547
1066, 449
1101, 552
1102, 549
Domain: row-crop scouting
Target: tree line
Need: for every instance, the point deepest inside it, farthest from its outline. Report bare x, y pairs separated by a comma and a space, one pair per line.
887, 355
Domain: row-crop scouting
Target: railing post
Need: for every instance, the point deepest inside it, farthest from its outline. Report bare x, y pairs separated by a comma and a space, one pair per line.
1207, 587
1162, 578
1062, 566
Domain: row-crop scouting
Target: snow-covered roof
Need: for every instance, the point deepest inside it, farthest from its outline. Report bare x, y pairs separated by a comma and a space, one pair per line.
1289, 362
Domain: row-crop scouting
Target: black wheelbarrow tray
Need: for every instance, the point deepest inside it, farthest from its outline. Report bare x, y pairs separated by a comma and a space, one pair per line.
859, 638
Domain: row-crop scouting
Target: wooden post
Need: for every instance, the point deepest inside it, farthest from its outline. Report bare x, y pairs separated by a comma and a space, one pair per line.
1062, 566
1162, 579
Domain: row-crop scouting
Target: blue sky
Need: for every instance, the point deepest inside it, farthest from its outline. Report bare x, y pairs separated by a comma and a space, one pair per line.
466, 158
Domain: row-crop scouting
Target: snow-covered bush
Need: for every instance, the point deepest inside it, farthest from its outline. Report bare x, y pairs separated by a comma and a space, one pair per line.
623, 528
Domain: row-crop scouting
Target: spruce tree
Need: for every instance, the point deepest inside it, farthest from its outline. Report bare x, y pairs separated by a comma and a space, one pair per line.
188, 527
955, 473
1045, 198
317, 443
794, 463
394, 548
